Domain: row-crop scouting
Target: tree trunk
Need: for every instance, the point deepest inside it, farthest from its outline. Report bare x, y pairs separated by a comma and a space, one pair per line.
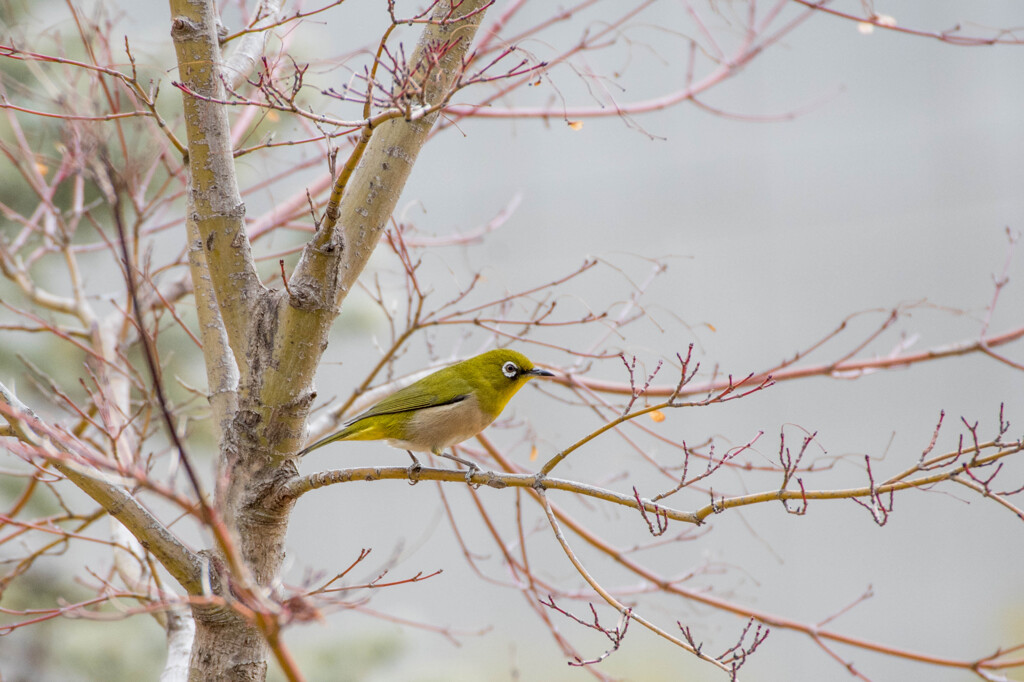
276, 338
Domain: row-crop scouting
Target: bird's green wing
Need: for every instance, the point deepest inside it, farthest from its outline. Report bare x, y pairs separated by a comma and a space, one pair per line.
406, 400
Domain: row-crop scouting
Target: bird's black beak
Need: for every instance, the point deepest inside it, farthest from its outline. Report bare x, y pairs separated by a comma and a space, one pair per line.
538, 372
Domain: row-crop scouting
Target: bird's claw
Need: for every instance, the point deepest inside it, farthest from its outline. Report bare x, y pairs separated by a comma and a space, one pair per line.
414, 470
470, 472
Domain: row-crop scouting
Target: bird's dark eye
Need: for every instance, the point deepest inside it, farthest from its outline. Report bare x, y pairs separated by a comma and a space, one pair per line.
510, 369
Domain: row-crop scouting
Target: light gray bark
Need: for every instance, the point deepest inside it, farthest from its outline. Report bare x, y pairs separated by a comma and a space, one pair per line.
275, 339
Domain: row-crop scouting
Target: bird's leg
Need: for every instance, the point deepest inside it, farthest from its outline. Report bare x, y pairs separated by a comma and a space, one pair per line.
471, 467
414, 469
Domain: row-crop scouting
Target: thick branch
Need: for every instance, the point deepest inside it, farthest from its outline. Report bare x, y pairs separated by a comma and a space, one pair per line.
181, 630
250, 47
335, 256
180, 562
376, 184
183, 564
215, 205
221, 368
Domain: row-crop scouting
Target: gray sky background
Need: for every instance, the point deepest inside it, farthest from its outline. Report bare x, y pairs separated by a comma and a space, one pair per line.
895, 186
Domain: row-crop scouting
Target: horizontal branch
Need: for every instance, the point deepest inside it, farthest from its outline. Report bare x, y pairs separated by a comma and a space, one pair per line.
299, 486
4, 104
813, 630
946, 467
844, 369
411, 114
873, 491
1002, 37
539, 482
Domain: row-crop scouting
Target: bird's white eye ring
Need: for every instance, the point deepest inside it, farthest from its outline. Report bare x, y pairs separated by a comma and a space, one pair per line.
510, 370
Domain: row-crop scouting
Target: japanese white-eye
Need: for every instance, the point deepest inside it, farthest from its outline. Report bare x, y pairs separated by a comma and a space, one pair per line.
443, 408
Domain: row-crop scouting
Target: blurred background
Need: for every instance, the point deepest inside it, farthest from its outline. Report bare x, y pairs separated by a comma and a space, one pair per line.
842, 171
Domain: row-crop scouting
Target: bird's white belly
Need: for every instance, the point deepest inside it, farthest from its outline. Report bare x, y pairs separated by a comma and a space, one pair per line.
441, 427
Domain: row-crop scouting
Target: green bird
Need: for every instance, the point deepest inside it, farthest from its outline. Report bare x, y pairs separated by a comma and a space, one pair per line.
443, 408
